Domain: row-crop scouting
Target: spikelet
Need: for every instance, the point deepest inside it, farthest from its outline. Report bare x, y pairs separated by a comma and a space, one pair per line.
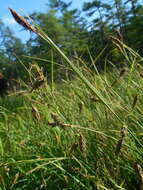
135, 101
94, 98
37, 84
55, 118
119, 35
118, 40
117, 43
36, 113
15, 180
22, 21
139, 172
82, 145
121, 140
57, 122
141, 74
74, 147
80, 106
122, 73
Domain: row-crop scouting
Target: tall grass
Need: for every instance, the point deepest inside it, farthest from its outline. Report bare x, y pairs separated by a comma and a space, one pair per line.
83, 134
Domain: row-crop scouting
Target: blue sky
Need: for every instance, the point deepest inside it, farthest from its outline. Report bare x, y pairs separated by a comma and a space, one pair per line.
28, 6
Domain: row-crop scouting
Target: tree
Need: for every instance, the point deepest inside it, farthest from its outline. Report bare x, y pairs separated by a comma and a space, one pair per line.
64, 27
11, 47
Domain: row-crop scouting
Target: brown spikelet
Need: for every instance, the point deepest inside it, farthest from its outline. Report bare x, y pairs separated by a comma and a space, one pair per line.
121, 140
36, 113
141, 74
62, 125
82, 144
57, 122
22, 21
55, 118
74, 147
80, 106
94, 98
119, 35
117, 42
135, 101
122, 73
114, 82
139, 172
15, 180
79, 144
37, 84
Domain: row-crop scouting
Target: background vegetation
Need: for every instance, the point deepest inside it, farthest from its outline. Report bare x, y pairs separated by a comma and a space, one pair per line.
77, 33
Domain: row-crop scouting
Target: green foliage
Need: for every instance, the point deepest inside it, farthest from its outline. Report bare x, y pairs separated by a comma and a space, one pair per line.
67, 31
11, 48
76, 32
135, 28
80, 134
84, 133
38, 152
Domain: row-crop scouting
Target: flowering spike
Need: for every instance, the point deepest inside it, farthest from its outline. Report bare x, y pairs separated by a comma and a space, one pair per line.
22, 21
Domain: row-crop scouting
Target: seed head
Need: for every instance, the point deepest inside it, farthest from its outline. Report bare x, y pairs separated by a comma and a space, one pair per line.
22, 21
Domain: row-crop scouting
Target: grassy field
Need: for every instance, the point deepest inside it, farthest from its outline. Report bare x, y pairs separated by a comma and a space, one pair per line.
64, 137
83, 134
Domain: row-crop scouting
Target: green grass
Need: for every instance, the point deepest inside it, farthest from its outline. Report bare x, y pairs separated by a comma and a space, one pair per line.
66, 138
83, 134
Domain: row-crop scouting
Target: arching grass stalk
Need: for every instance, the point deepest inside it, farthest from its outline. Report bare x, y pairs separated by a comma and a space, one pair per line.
37, 30
76, 70
83, 78
45, 37
22, 21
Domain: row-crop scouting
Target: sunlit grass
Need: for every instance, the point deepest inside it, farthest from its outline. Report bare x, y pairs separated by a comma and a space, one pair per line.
83, 134
66, 138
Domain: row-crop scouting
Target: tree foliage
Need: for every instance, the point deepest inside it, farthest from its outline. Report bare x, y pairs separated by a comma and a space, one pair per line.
77, 32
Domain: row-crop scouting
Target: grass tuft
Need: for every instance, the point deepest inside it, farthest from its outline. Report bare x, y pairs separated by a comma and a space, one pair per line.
82, 134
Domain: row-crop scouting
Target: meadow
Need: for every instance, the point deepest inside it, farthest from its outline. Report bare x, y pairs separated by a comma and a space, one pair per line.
83, 134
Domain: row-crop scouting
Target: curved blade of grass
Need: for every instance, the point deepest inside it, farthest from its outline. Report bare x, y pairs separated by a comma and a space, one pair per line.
82, 77
76, 70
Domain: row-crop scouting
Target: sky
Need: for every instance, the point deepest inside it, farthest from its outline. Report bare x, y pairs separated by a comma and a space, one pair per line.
28, 7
